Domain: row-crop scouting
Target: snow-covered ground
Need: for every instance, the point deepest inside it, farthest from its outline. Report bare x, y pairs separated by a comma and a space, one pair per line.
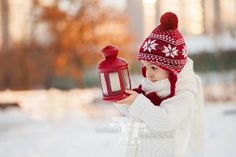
207, 43
83, 127
220, 128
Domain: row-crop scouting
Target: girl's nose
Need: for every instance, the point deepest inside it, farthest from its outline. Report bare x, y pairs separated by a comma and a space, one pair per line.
149, 72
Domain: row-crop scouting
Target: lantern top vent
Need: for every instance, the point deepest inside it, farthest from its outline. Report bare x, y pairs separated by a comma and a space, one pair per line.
111, 62
110, 51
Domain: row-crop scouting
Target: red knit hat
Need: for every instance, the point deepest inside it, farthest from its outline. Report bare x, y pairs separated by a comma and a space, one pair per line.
165, 47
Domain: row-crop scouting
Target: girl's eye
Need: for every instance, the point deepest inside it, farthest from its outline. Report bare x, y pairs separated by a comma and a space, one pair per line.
154, 68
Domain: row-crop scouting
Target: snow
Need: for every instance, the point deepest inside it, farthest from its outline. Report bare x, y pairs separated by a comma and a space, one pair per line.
207, 43
215, 83
73, 136
220, 130
83, 127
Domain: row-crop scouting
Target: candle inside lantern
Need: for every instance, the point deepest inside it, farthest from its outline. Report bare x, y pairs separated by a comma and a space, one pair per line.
126, 79
114, 81
103, 82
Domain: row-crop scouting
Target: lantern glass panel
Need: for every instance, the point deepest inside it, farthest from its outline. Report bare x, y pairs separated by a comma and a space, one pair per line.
103, 82
114, 81
126, 79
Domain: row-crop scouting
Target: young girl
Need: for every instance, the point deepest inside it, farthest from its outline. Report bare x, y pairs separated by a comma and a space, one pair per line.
166, 108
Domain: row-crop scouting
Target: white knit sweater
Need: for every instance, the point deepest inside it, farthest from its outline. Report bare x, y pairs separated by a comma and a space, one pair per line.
173, 129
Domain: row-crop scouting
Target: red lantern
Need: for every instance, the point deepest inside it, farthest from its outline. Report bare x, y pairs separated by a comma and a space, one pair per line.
113, 74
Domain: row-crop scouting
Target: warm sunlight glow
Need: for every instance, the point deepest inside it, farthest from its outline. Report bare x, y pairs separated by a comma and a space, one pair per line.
149, 16
149, 1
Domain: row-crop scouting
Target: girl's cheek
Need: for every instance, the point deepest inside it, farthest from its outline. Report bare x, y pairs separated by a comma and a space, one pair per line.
159, 74
148, 71
156, 72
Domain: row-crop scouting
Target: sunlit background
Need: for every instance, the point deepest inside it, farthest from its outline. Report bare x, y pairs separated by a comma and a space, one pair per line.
50, 95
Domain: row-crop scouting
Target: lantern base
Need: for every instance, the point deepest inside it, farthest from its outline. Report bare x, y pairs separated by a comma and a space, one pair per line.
115, 97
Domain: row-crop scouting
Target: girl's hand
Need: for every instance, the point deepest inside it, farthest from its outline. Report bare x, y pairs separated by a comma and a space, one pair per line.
129, 99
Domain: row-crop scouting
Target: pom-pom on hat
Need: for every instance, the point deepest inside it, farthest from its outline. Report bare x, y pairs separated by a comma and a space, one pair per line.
169, 21
165, 47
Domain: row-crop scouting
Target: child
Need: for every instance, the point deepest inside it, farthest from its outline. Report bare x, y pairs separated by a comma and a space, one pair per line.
168, 103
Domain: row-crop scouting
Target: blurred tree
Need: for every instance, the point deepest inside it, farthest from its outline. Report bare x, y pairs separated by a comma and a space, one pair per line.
71, 33
204, 15
217, 23
217, 17
5, 25
218, 62
66, 37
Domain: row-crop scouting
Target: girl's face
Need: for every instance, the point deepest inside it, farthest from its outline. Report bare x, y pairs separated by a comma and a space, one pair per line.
153, 72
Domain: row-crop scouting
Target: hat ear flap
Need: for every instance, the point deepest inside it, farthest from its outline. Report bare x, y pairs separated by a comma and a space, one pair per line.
144, 71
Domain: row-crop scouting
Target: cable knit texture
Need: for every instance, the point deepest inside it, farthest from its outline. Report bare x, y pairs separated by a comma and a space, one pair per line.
173, 129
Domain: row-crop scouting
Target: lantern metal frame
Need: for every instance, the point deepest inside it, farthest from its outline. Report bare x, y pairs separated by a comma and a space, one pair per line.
117, 65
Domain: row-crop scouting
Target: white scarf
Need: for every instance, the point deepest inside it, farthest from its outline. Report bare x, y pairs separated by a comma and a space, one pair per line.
186, 81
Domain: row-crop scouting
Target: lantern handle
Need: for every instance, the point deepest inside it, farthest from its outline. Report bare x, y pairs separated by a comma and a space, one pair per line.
110, 51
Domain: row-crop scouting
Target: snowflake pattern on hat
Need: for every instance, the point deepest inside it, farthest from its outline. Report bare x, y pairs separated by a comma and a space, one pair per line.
184, 52
149, 45
170, 51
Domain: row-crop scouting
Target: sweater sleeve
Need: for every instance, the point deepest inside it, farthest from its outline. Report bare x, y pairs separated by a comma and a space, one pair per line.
122, 108
166, 117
